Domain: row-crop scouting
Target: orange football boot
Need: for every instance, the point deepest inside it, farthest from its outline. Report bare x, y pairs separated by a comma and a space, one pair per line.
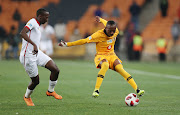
28, 101
54, 94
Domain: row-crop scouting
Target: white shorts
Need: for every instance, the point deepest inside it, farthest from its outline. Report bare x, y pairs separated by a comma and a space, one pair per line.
47, 47
31, 63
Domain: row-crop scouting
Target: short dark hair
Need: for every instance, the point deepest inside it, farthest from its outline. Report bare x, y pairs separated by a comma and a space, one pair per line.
111, 22
40, 11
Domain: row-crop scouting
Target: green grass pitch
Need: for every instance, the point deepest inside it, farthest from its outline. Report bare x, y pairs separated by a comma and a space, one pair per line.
76, 82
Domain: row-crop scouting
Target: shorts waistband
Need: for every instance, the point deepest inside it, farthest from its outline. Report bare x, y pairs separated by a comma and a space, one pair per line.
106, 54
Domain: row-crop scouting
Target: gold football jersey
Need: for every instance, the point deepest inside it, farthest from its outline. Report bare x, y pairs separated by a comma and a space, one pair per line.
104, 44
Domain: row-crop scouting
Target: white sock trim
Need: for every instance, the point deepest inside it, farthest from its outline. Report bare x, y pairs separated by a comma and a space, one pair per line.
52, 85
28, 93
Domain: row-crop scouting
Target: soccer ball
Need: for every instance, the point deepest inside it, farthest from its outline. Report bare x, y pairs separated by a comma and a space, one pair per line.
131, 99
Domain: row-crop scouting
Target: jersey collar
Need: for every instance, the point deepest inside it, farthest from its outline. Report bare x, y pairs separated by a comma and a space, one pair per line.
37, 21
106, 33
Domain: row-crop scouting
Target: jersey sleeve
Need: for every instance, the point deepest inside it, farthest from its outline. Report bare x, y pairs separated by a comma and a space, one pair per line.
103, 21
30, 24
91, 39
94, 38
78, 42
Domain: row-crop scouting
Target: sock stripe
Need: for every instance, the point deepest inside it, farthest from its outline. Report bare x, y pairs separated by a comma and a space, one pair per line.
130, 77
101, 76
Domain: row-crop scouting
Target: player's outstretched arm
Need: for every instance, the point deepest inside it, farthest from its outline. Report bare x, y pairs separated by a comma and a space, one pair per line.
99, 19
75, 43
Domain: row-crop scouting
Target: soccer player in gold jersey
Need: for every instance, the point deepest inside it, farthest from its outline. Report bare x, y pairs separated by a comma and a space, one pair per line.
105, 57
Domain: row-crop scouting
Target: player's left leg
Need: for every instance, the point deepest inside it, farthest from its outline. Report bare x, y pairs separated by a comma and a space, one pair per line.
47, 62
53, 79
119, 68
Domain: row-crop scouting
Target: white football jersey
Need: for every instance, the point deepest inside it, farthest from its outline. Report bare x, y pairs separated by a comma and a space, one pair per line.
34, 34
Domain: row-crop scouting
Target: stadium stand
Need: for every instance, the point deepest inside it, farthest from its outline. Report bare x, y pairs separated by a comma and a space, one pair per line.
158, 27
86, 21
27, 10
84, 17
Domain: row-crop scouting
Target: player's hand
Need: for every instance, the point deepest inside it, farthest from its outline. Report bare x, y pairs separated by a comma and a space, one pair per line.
98, 19
35, 51
62, 44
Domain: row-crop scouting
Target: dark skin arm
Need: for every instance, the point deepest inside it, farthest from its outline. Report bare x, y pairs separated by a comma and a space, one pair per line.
25, 36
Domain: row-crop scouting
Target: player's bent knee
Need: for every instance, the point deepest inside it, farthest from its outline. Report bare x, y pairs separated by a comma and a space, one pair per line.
105, 65
56, 70
35, 82
119, 68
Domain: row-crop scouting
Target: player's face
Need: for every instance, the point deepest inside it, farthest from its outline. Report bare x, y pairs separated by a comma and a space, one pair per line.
110, 30
44, 17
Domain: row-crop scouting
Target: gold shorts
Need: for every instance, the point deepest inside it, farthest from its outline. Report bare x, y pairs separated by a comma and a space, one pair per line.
109, 58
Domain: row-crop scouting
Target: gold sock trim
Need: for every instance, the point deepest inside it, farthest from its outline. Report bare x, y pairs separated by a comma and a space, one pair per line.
130, 77
101, 76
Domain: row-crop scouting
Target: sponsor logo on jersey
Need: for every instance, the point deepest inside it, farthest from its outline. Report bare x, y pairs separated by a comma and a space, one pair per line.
109, 47
90, 37
29, 24
109, 41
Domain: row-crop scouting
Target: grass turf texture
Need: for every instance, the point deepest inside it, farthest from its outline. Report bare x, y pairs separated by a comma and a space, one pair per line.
76, 84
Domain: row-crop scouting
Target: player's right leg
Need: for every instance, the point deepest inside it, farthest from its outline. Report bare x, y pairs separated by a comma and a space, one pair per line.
30, 66
104, 65
140, 92
34, 82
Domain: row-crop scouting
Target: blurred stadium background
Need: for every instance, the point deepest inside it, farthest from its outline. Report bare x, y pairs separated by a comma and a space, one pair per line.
79, 15
77, 78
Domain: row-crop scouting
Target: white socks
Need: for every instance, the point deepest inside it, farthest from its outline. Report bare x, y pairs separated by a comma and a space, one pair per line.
51, 88
52, 85
28, 93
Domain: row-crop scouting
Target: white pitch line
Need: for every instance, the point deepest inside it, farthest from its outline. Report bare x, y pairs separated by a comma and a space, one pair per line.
153, 74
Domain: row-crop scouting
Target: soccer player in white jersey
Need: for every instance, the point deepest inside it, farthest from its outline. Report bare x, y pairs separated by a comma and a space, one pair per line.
31, 56
47, 38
